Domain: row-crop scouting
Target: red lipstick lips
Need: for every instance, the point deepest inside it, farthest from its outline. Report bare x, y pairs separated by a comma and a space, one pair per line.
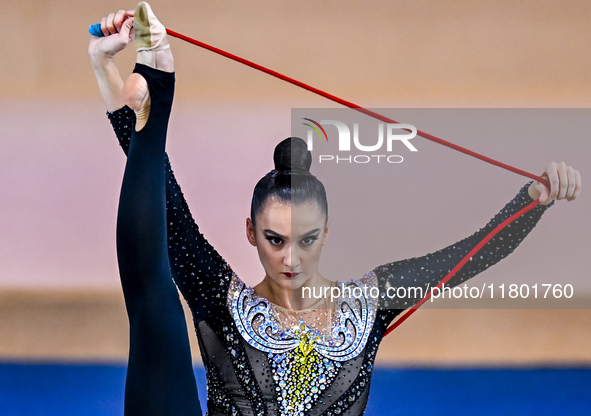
291, 274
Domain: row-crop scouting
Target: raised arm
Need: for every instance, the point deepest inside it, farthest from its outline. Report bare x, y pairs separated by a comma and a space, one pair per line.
198, 270
427, 271
118, 31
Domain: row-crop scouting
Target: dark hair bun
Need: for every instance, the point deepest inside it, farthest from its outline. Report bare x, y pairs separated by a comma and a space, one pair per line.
291, 181
292, 154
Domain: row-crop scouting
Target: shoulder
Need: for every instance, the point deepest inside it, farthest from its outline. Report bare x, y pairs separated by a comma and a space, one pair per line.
360, 293
236, 290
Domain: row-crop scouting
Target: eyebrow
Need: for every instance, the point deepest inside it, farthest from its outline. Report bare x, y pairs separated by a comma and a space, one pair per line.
267, 231
276, 234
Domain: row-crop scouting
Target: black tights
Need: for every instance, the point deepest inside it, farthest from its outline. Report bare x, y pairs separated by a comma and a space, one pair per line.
160, 379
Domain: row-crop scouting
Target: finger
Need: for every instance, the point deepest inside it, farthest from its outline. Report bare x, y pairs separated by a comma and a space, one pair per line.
552, 172
119, 19
570, 173
543, 189
577, 185
104, 26
543, 192
110, 25
126, 28
130, 13
562, 180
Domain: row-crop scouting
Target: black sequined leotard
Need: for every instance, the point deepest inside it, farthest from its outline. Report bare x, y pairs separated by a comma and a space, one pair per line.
261, 359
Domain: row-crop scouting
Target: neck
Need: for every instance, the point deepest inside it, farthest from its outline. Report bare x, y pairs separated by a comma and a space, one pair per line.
291, 298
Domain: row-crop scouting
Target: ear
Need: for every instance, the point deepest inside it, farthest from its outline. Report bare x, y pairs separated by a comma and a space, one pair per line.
250, 232
325, 234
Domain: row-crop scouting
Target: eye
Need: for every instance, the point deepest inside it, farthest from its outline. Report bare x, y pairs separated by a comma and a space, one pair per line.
308, 241
275, 241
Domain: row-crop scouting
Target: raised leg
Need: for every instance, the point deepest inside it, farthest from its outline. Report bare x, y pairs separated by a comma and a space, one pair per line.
160, 379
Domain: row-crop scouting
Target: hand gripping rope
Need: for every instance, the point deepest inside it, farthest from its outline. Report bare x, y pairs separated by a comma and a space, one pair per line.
95, 31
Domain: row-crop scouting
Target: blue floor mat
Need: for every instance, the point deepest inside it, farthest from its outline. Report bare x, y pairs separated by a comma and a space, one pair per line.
89, 390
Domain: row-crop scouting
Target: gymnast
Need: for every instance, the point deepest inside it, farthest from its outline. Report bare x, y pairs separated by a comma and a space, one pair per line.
267, 350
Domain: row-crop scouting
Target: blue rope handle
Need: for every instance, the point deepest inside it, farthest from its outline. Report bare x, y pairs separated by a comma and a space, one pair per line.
95, 30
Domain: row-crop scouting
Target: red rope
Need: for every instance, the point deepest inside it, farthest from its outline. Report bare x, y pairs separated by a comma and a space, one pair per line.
354, 106
380, 117
461, 263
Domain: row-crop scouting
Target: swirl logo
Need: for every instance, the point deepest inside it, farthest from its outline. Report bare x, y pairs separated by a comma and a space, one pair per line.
318, 126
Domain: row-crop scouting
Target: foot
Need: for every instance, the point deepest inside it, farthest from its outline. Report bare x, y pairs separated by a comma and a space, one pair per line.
151, 41
153, 50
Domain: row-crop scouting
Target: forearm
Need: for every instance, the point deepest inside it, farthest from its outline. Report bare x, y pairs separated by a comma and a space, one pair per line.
109, 81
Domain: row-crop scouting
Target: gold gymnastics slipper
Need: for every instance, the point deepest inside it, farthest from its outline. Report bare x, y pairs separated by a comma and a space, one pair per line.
151, 41
150, 34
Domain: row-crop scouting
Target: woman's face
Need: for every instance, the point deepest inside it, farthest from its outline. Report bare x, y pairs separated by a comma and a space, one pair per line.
289, 240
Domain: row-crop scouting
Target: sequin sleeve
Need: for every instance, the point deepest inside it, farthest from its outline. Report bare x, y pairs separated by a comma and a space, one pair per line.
200, 273
427, 271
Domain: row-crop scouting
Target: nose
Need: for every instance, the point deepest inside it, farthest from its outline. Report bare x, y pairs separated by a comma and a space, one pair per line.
291, 256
